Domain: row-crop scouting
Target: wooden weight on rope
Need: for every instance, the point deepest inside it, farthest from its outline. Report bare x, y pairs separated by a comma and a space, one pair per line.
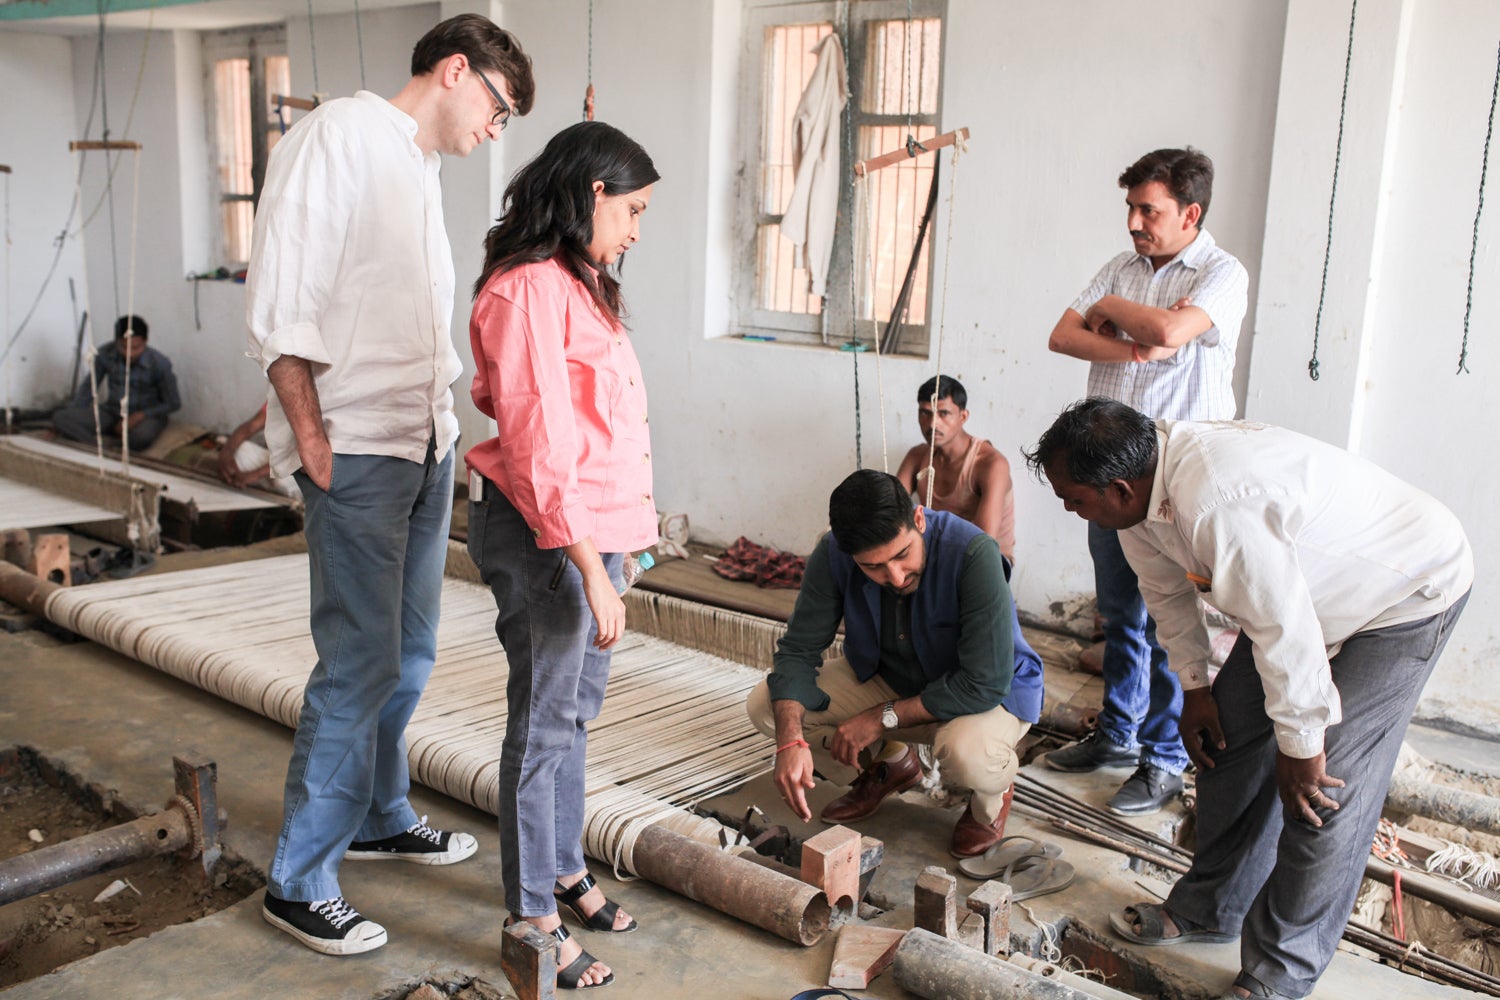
50, 559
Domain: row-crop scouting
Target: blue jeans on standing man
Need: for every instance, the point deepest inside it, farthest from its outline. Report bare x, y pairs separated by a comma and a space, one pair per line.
556, 688
377, 543
1142, 697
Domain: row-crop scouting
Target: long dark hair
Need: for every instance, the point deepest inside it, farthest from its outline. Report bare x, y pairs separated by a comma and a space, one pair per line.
548, 209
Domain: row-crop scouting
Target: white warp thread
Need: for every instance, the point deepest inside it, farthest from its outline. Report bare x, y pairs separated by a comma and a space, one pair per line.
672, 731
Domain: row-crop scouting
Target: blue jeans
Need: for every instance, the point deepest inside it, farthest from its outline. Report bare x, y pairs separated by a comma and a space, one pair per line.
1286, 886
1142, 697
556, 689
377, 542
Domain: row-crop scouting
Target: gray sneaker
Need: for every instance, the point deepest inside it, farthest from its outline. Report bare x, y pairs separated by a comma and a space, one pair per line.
1145, 791
1091, 753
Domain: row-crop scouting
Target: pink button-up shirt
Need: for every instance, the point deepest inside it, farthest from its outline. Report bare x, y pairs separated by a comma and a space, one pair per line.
573, 451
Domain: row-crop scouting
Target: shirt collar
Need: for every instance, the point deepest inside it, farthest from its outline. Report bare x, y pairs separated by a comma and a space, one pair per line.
1191, 255
1159, 509
400, 119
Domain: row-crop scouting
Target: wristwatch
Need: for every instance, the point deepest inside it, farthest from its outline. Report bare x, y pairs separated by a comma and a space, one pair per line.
888, 716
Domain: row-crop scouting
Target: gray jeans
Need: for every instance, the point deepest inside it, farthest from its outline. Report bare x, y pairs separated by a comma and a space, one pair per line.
556, 689
1286, 886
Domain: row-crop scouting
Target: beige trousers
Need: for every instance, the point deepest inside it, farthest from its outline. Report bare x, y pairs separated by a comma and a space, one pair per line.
976, 751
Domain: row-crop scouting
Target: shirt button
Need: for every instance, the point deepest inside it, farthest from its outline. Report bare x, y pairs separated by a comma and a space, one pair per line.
646, 458
645, 418
536, 532
632, 380
645, 498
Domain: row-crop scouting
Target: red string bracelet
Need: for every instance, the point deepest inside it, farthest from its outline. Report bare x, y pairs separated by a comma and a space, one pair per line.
794, 743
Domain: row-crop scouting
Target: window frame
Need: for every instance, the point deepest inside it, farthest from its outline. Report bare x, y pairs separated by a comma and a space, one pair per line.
256, 43
831, 325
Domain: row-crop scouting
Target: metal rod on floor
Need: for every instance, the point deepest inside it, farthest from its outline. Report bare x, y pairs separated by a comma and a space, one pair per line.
50, 867
1419, 959
786, 907
1171, 864
1055, 803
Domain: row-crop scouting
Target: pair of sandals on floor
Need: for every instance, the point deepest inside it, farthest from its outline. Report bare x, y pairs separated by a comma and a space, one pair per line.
602, 919
1029, 866
1145, 924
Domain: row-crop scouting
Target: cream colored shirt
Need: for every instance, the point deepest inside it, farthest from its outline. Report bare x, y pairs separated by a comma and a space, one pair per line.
1302, 544
351, 269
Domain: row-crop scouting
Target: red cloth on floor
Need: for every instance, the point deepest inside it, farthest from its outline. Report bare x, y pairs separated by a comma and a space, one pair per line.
761, 564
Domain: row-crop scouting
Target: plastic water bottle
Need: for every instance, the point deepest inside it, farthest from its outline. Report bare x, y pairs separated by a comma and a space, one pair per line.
633, 568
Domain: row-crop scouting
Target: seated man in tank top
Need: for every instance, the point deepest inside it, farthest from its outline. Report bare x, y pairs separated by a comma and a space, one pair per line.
973, 478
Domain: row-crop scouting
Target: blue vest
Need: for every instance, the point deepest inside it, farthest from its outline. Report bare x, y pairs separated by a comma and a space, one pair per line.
934, 614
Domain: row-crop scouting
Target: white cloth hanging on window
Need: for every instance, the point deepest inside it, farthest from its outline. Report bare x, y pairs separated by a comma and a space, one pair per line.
813, 208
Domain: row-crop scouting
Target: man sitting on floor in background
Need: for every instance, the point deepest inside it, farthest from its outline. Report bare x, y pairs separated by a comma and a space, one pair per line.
1346, 584
153, 391
933, 654
972, 477
244, 461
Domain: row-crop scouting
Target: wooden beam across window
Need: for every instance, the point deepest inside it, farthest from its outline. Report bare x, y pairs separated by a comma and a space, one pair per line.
106, 144
299, 103
874, 163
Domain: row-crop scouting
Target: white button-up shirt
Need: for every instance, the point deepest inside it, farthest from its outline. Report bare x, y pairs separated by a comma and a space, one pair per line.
1302, 544
352, 270
1196, 383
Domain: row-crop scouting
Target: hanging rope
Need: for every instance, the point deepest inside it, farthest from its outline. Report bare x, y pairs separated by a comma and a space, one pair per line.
852, 345
9, 386
1338, 152
1484, 166
588, 95
959, 146
359, 38
135, 210
869, 258
312, 41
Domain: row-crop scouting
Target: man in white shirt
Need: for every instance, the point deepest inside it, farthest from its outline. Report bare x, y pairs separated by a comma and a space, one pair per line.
1158, 326
350, 295
1346, 583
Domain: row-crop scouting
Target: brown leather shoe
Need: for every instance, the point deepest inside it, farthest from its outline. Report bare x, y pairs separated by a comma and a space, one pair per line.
874, 783
972, 838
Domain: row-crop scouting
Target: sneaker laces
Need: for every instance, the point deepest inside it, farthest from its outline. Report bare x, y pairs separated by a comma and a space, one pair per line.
421, 829
336, 911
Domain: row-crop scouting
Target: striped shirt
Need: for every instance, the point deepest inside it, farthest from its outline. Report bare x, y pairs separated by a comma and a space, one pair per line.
1196, 383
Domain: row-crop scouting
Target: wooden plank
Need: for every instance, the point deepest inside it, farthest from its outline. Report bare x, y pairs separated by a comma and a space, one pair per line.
78, 144
895, 156
300, 103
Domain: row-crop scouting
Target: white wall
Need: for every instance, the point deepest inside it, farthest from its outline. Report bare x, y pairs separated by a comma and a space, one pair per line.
39, 366
749, 438
1393, 321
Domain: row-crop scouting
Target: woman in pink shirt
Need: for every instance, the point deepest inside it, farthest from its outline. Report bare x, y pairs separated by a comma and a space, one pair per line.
557, 497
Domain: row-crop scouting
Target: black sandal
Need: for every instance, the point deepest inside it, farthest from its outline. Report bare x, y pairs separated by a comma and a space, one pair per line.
602, 919
568, 977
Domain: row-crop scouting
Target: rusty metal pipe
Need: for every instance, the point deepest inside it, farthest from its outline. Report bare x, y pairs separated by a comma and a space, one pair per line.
935, 967
785, 906
24, 590
50, 867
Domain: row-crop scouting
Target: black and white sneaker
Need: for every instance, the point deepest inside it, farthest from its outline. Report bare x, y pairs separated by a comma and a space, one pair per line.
330, 926
419, 844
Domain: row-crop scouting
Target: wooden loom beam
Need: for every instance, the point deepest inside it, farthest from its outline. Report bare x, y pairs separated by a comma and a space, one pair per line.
299, 103
874, 163
107, 144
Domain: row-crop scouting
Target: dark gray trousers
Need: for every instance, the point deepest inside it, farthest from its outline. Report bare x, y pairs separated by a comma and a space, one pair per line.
1288, 887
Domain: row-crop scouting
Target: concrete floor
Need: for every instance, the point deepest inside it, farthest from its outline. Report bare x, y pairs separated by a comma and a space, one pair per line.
117, 723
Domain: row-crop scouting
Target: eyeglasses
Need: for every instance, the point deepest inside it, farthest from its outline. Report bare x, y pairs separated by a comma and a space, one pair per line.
502, 116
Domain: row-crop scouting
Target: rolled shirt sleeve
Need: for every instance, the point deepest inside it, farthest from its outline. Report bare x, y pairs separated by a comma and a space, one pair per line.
302, 220
523, 380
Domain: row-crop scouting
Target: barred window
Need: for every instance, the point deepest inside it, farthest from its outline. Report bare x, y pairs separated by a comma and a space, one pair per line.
244, 69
